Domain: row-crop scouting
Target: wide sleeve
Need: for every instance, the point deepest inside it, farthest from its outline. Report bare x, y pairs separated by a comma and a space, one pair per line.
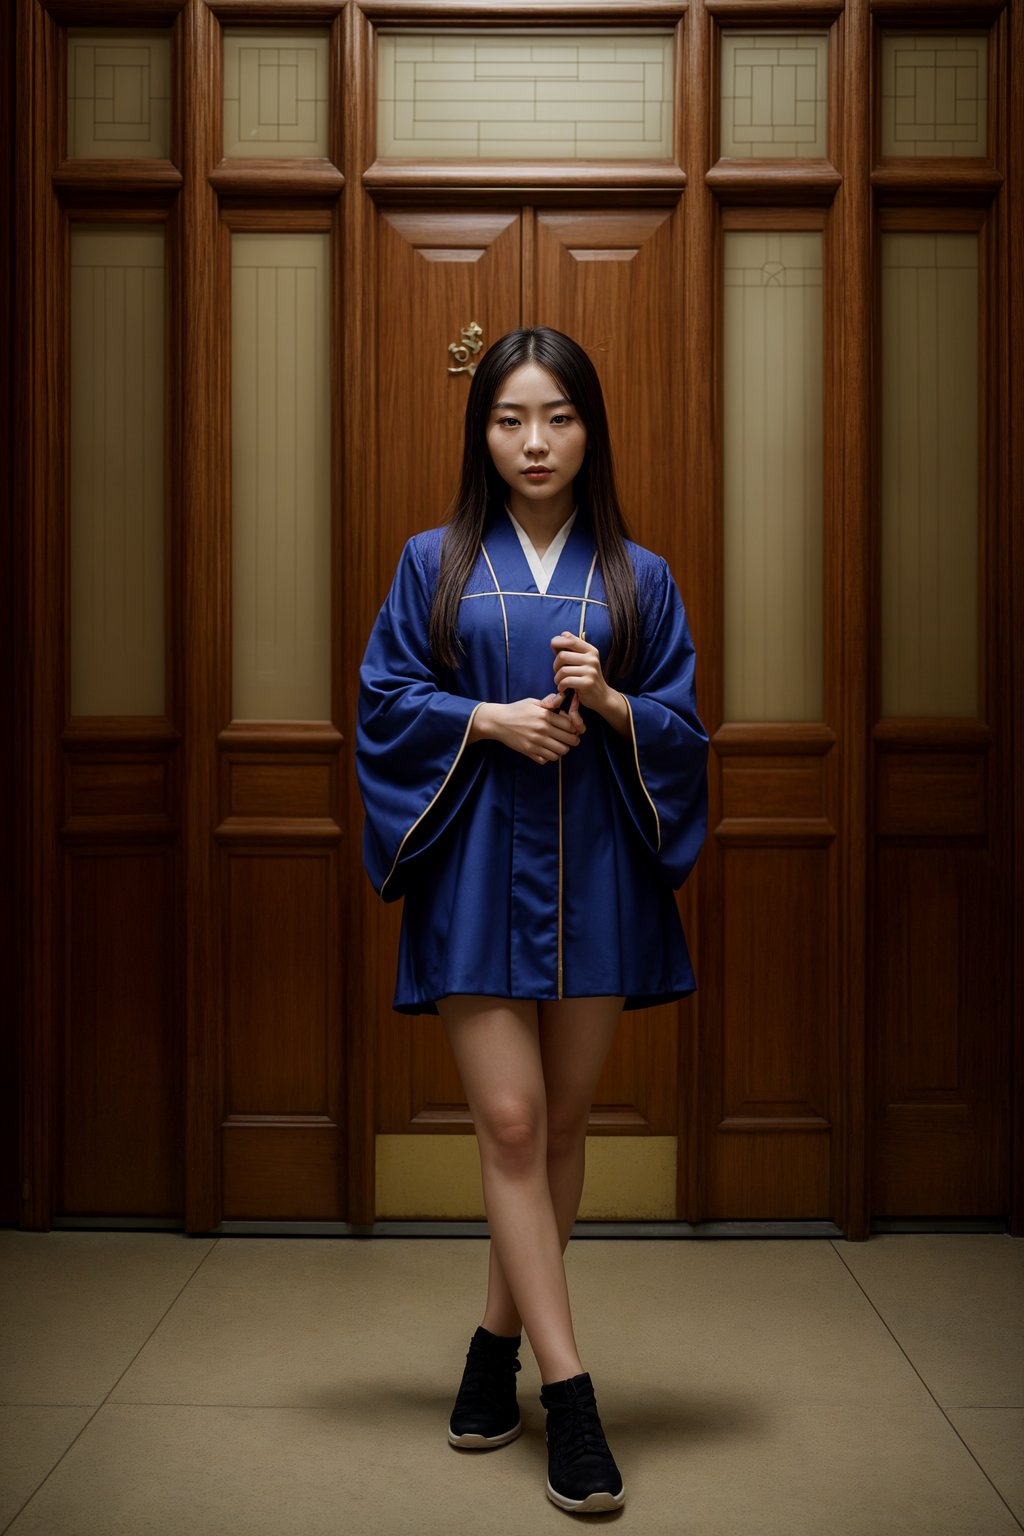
412, 762
661, 767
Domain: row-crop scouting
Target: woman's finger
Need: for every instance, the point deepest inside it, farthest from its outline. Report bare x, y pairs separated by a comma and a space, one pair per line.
570, 642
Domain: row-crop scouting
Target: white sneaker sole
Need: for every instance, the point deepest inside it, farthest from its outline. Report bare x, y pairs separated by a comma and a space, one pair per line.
484, 1442
591, 1504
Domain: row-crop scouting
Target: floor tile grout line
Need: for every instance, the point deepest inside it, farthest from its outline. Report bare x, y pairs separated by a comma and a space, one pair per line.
71, 1443
870, 1301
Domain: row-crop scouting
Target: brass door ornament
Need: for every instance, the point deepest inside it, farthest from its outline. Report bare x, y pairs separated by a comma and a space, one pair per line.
469, 345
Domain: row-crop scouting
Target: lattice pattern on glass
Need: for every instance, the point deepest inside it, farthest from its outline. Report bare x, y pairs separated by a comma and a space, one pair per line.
275, 93
573, 94
280, 476
934, 93
119, 94
772, 453
929, 488
116, 470
774, 94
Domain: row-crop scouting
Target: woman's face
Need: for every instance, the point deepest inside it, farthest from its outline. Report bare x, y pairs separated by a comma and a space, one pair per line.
533, 427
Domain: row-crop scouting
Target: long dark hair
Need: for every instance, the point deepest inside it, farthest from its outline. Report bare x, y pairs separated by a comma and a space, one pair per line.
482, 487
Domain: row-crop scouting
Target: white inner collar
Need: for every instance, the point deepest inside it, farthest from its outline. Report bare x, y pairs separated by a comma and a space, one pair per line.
542, 566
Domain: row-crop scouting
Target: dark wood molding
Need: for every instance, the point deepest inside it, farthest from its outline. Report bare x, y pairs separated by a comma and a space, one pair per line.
773, 736
540, 13
290, 179
107, 178
258, 13
282, 736
114, 13
943, 183
442, 178
775, 13
796, 181
939, 13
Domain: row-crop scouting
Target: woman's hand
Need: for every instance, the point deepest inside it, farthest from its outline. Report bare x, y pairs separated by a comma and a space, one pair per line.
535, 727
577, 665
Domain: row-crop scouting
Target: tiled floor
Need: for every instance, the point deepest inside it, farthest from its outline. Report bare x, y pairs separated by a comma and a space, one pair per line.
156, 1383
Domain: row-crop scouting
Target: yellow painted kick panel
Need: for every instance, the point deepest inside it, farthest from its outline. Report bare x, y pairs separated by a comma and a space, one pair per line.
628, 1178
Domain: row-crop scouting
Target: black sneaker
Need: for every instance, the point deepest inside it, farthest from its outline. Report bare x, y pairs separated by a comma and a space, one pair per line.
486, 1413
582, 1475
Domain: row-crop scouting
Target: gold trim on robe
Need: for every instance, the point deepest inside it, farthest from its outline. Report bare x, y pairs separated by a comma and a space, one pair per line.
636, 759
419, 818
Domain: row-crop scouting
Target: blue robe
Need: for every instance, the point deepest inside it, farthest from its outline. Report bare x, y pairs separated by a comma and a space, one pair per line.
525, 879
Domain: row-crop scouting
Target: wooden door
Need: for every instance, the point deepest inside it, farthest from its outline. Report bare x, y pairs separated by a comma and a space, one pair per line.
607, 277
246, 240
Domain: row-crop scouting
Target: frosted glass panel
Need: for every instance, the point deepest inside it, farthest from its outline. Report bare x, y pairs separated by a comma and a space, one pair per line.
929, 508
280, 476
772, 464
119, 94
116, 470
774, 94
573, 94
934, 94
275, 93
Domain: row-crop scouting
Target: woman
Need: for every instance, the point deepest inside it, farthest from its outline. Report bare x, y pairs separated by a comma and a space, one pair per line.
533, 772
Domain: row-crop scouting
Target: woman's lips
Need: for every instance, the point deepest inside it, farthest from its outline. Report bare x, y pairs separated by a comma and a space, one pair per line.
536, 474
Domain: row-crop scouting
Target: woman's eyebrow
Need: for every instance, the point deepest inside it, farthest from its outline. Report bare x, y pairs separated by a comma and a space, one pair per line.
513, 405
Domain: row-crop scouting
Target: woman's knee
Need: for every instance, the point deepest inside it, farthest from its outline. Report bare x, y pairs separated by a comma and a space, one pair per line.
512, 1135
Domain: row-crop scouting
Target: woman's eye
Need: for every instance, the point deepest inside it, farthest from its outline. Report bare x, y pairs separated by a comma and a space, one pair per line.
507, 421
561, 417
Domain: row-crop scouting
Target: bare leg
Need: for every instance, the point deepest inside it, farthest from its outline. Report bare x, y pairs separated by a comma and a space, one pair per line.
497, 1050
575, 1037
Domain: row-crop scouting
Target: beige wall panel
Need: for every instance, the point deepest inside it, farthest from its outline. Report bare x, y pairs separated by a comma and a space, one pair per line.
275, 93
119, 94
573, 94
934, 93
280, 476
772, 474
774, 94
116, 469
929, 491
424, 1177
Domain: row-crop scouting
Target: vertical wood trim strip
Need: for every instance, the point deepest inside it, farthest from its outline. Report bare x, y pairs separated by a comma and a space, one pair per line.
10, 1087
352, 134
205, 610
848, 647
699, 1074
1010, 139
38, 562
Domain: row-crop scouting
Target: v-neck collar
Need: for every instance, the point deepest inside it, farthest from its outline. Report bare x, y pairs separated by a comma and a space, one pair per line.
512, 569
543, 565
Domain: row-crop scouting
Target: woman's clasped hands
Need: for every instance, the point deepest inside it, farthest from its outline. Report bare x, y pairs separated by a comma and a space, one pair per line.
540, 728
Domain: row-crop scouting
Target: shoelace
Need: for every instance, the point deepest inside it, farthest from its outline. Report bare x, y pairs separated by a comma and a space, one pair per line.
484, 1377
576, 1431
